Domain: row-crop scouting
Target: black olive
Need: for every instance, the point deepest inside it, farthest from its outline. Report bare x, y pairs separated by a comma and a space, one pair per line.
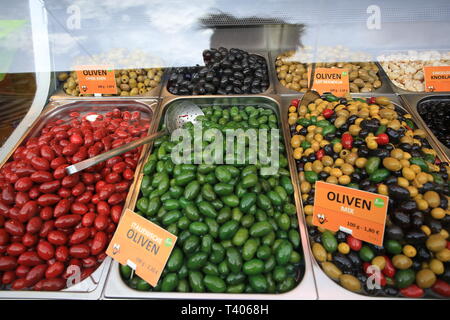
311, 157
422, 253
398, 193
210, 88
355, 177
396, 173
364, 184
256, 83
390, 291
363, 152
363, 133
355, 260
245, 89
434, 225
446, 275
304, 159
401, 219
328, 149
341, 236
330, 136
371, 188
417, 265
415, 237
323, 175
220, 91
417, 219
363, 173
394, 232
379, 251
343, 101
344, 127
255, 90
394, 136
303, 131
389, 147
183, 91
335, 156
201, 90
229, 89
362, 277
427, 186
380, 153
390, 180
405, 147
358, 143
237, 90
215, 81
227, 72
341, 261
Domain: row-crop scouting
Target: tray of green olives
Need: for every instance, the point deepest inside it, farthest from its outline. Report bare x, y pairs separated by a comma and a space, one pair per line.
291, 77
374, 144
228, 247
143, 82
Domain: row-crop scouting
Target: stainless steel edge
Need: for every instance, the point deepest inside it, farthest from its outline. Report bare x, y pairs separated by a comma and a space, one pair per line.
270, 90
328, 289
396, 89
59, 93
115, 287
90, 288
282, 90
412, 101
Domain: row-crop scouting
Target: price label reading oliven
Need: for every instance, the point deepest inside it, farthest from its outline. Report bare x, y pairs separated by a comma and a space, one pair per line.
334, 80
96, 79
359, 213
143, 245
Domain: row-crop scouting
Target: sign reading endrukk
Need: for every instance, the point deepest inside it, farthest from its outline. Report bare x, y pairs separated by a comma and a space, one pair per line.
359, 213
142, 245
96, 79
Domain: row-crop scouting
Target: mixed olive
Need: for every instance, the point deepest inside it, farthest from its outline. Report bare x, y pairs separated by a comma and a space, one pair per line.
372, 145
293, 75
436, 114
233, 71
237, 228
129, 82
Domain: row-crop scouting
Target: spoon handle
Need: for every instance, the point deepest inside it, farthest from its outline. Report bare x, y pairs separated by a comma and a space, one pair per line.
77, 167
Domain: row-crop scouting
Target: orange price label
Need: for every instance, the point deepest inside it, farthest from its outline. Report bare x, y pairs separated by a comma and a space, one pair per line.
437, 78
359, 213
142, 245
334, 80
96, 79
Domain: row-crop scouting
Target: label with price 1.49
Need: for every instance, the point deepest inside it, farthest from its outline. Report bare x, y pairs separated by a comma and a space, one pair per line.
359, 213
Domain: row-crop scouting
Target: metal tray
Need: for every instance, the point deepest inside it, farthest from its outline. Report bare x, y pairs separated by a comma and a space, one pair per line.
412, 101
115, 288
326, 287
91, 287
394, 87
270, 90
282, 90
59, 93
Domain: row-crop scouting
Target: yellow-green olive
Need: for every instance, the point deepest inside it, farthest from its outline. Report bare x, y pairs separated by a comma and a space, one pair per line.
436, 242
425, 278
432, 197
331, 270
350, 282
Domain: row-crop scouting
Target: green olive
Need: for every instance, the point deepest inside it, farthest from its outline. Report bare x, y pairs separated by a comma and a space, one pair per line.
350, 282
391, 164
425, 278
331, 270
436, 242
319, 252
432, 197
402, 262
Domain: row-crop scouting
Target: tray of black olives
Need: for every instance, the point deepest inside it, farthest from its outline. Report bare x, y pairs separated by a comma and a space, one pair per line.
226, 71
434, 112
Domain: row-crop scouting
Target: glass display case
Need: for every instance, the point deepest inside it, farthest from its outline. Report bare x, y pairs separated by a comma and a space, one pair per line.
245, 66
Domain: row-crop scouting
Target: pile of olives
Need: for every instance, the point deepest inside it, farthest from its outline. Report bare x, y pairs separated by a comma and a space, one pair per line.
133, 82
436, 114
293, 75
226, 71
372, 145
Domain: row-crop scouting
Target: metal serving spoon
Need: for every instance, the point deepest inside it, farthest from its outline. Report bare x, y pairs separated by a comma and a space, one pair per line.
177, 114
310, 95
